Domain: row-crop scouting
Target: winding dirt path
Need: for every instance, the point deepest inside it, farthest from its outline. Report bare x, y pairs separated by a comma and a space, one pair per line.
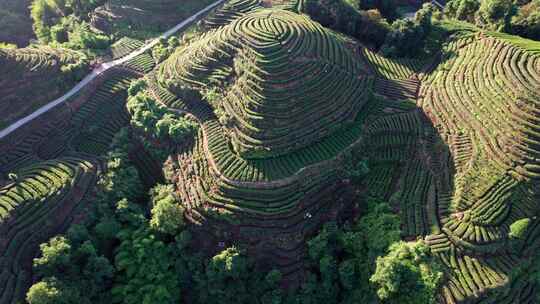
103, 68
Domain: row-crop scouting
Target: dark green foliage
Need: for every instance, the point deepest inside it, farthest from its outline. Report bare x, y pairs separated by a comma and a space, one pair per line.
64, 22
167, 212
165, 48
462, 9
388, 8
514, 17
405, 40
231, 277
52, 291
407, 275
339, 15
72, 272
145, 269
343, 259
157, 121
495, 14
408, 38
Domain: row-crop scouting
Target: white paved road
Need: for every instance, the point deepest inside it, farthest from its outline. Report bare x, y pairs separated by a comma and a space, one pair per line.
101, 69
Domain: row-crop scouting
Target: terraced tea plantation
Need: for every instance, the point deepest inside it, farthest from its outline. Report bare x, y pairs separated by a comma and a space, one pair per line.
40, 200
36, 76
295, 126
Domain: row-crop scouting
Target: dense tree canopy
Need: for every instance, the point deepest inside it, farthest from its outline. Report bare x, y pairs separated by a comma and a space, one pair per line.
64, 22
156, 120
343, 259
515, 17
167, 212
407, 274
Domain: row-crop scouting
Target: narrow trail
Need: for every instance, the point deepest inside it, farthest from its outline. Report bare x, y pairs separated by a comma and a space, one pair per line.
102, 68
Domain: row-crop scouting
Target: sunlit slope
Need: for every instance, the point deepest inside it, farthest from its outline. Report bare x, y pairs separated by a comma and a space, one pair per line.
285, 81
235, 9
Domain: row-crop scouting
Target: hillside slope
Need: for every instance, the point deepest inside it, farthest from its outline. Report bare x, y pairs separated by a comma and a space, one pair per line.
30, 77
142, 19
484, 100
288, 96
280, 84
15, 22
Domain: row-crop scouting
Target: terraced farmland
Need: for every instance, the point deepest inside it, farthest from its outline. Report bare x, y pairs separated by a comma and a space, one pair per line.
272, 67
39, 202
142, 19
34, 76
289, 112
483, 99
235, 9
294, 81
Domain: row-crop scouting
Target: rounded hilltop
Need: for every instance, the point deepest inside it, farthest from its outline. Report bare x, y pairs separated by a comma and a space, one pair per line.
284, 81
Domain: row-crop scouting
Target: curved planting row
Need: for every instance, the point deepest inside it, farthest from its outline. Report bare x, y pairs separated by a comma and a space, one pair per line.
272, 171
124, 47
484, 100
274, 222
38, 204
42, 59
27, 150
236, 9
500, 102
288, 81
102, 115
144, 63
392, 68
36, 76
230, 11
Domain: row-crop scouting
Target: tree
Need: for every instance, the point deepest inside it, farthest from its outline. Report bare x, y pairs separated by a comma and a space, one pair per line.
462, 9
167, 213
342, 258
157, 121
423, 17
405, 40
388, 8
51, 291
527, 21
67, 269
341, 16
495, 14
55, 256
121, 180
145, 268
407, 275
227, 279
519, 228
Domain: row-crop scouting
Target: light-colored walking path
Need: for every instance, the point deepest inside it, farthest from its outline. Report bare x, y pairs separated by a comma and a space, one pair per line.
101, 69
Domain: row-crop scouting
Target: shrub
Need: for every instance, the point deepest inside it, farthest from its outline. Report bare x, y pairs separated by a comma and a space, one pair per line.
519, 228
